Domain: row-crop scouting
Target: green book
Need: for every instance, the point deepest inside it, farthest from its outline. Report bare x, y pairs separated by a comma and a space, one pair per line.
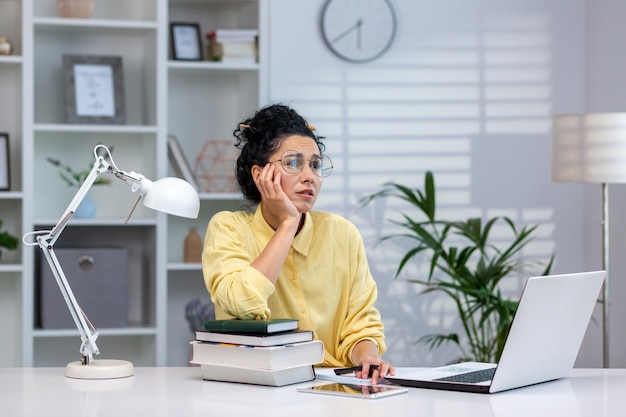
251, 326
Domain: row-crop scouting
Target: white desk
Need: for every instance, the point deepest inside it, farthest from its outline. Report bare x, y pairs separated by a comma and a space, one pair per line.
181, 392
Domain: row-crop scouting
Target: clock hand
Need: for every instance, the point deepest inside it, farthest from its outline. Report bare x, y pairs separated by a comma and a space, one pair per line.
356, 26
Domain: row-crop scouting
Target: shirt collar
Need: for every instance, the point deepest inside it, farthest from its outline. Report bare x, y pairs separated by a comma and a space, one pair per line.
263, 231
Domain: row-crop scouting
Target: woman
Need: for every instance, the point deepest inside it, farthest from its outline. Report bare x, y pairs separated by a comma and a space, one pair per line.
283, 260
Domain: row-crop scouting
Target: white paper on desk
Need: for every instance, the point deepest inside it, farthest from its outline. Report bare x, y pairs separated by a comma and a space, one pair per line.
328, 374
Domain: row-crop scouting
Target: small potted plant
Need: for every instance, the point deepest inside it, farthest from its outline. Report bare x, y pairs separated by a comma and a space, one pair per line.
7, 240
75, 179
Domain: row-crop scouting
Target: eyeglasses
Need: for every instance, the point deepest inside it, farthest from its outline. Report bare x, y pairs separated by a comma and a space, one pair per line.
293, 163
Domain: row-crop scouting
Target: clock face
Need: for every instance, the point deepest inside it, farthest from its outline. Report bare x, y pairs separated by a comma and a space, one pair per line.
358, 30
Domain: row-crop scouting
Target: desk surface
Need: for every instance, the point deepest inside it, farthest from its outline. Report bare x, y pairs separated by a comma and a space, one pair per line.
181, 392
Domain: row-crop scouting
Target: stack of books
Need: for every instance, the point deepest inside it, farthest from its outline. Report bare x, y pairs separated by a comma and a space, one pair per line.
233, 45
263, 352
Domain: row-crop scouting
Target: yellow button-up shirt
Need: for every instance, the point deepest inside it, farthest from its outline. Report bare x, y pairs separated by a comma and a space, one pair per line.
325, 281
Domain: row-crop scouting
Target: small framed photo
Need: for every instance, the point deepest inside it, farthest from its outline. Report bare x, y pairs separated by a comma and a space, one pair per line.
94, 89
5, 172
186, 41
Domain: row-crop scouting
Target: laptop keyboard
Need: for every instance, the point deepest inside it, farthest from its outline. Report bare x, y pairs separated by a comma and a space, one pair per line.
471, 377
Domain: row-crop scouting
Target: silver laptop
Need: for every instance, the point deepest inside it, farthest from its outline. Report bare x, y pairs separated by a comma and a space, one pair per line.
542, 344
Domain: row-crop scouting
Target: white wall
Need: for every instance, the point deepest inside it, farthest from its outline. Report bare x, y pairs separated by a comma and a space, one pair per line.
606, 92
467, 91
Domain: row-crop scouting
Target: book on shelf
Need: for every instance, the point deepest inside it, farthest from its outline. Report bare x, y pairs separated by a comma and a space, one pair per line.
257, 357
282, 338
233, 35
251, 326
178, 161
232, 49
275, 378
232, 52
233, 46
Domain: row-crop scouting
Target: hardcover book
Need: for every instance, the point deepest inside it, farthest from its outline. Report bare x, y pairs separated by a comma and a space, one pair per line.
251, 326
275, 339
258, 357
275, 378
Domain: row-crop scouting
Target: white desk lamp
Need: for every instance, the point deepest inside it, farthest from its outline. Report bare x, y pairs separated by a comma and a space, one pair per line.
170, 195
591, 148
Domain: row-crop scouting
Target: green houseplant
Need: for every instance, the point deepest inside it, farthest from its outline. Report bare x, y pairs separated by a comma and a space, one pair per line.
7, 240
463, 264
75, 178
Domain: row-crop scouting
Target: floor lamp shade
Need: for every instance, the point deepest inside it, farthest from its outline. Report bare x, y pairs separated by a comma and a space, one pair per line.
589, 148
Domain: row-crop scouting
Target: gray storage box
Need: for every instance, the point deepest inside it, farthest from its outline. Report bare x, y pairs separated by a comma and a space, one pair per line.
99, 281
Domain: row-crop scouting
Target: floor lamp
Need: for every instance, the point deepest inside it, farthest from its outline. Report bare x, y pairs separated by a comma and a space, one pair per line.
591, 148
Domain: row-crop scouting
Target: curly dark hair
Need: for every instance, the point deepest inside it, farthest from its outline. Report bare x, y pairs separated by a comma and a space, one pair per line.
259, 136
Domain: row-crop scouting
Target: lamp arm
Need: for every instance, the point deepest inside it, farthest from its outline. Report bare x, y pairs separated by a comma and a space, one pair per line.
100, 166
88, 333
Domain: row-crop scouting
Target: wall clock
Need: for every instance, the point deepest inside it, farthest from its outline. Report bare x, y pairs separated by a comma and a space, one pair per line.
358, 30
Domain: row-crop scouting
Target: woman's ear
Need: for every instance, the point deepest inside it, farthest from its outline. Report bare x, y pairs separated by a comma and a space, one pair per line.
255, 171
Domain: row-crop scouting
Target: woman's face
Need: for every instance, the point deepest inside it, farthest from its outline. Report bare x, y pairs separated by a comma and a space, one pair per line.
302, 187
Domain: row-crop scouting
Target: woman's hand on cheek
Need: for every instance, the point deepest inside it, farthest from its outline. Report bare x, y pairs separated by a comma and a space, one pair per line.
272, 194
264, 180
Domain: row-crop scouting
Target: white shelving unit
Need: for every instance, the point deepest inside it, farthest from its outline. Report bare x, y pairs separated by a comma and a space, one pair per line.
11, 202
197, 101
206, 100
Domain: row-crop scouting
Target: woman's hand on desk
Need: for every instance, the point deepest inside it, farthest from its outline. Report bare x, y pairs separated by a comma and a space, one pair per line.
365, 354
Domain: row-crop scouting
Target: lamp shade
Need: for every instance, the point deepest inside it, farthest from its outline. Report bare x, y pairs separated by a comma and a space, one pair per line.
173, 196
589, 148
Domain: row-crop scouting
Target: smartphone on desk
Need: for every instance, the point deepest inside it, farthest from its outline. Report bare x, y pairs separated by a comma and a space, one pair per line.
354, 390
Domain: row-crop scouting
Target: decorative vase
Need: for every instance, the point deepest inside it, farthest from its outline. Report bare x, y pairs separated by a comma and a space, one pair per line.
86, 209
75, 8
193, 246
6, 47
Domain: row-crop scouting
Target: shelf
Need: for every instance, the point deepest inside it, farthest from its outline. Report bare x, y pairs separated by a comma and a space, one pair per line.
117, 222
63, 23
211, 66
122, 331
11, 195
220, 196
11, 268
11, 59
182, 266
80, 128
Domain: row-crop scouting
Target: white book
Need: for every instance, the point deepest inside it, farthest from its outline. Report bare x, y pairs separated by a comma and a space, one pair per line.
274, 339
275, 378
233, 35
258, 357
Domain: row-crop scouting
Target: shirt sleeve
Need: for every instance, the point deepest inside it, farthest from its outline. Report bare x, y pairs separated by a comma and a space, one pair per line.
236, 288
363, 320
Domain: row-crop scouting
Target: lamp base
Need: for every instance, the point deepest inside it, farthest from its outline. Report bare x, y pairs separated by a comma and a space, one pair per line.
100, 369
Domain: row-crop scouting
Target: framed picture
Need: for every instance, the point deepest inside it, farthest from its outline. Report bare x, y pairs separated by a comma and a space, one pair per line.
94, 89
5, 172
186, 41
179, 163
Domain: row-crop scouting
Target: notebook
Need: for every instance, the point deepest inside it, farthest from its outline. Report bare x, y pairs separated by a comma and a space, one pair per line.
542, 344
